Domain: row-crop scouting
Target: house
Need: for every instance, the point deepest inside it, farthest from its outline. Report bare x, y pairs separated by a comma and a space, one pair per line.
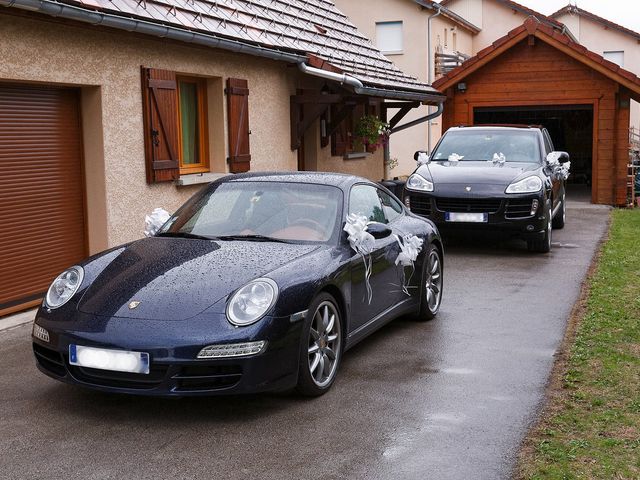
427, 39
110, 108
537, 75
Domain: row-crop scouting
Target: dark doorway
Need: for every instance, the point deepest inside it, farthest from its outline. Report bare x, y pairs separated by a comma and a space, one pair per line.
570, 127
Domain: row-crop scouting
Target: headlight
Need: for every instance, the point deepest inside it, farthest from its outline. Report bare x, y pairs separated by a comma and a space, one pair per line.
530, 184
418, 182
64, 287
251, 302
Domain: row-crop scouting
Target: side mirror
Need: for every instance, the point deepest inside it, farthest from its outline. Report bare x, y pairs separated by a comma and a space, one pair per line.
378, 230
421, 156
557, 158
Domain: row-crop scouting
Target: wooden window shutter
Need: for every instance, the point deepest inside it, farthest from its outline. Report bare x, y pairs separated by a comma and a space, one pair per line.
160, 107
238, 117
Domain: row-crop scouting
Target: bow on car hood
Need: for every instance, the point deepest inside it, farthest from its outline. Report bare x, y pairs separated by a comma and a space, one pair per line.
177, 278
479, 173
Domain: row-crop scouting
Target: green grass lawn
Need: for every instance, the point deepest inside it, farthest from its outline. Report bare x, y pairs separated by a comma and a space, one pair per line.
591, 427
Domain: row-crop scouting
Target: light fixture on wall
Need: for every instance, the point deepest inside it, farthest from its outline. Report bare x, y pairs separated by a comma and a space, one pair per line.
462, 87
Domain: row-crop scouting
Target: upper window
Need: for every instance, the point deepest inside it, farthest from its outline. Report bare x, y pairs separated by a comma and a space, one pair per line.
389, 37
192, 112
616, 56
364, 200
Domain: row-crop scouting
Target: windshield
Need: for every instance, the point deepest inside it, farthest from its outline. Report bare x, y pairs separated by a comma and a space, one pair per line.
489, 145
259, 211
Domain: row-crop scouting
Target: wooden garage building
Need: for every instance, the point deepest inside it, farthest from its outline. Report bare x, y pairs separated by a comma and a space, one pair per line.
536, 75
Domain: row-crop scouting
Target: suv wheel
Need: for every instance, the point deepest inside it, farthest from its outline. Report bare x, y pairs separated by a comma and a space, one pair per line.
543, 245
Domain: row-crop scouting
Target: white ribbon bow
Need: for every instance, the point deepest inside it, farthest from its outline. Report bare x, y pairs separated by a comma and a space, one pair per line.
154, 221
410, 247
363, 243
499, 158
454, 157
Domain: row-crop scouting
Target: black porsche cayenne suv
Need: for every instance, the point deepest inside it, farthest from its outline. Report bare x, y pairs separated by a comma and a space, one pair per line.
506, 178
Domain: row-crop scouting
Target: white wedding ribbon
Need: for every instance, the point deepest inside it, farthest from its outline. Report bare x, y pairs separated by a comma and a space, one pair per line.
362, 242
154, 221
410, 247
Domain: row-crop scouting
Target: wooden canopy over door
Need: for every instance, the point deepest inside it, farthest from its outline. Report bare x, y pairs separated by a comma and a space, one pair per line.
42, 227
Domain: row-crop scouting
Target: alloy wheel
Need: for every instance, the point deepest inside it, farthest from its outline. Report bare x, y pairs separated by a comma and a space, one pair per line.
324, 343
433, 282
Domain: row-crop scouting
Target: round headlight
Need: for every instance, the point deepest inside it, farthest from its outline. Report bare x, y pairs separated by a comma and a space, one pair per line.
251, 302
64, 287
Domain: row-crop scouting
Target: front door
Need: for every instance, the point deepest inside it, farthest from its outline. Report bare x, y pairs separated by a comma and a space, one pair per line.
385, 288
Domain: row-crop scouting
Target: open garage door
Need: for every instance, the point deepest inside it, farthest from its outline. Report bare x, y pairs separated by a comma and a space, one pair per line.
570, 126
41, 191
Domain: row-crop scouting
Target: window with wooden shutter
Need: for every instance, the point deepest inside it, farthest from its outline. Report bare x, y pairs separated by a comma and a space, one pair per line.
161, 125
238, 117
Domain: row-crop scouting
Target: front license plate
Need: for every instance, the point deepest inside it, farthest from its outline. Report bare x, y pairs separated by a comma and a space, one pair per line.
104, 359
466, 217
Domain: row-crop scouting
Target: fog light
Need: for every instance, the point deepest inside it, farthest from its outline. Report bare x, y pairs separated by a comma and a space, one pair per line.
534, 207
40, 333
530, 228
407, 202
232, 350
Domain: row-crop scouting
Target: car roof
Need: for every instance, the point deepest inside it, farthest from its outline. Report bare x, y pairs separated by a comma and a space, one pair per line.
341, 180
501, 126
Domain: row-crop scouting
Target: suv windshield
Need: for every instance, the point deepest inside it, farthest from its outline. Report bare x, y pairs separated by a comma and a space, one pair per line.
487, 145
259, 211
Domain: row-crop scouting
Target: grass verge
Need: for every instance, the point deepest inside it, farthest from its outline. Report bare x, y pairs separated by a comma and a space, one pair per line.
590, 428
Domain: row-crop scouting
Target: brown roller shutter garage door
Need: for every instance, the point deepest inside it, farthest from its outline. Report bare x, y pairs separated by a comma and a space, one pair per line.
42, 228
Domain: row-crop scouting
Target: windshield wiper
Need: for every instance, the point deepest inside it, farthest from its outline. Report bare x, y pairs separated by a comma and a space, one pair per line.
184, 235
254, 237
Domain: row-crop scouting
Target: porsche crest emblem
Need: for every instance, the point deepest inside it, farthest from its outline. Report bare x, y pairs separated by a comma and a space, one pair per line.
133, 305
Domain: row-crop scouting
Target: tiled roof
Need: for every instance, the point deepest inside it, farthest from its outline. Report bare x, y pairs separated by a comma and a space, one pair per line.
302, 27
607, 23
531, 26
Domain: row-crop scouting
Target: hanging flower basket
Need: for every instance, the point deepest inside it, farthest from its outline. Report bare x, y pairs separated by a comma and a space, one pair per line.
372, 132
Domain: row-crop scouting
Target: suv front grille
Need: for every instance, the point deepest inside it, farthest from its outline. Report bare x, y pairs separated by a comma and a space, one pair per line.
420, 205
518, 208
471, 205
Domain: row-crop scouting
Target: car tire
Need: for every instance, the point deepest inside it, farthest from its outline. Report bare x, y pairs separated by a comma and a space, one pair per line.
543, 245
431, 285
321, 347
559, 219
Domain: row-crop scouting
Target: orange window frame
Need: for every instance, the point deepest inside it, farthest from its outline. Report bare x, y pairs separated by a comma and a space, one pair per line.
203, 128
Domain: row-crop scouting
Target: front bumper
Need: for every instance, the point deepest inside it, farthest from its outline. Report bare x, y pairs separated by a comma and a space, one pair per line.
510, 215
173, 347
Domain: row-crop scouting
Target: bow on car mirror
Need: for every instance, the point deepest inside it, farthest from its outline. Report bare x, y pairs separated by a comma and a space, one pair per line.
378, 230
557, 157
421, 156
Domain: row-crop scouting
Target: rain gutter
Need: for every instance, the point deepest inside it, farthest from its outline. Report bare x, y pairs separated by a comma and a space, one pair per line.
420, 120
360, 89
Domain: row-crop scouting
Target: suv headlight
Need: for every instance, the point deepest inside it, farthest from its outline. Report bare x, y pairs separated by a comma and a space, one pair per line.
64, 287
251, 302
530, 184
418, 182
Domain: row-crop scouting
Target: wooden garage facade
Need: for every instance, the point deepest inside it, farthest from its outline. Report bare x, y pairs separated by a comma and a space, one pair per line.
42, 220
534, 70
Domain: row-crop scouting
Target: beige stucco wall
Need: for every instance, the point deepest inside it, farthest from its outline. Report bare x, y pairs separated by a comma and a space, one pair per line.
106, 65
599, 39
413, 60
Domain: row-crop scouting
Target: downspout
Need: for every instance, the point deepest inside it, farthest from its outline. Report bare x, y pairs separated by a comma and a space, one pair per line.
420, 120
429, 65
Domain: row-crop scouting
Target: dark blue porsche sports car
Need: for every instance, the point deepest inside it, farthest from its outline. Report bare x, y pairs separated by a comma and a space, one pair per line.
254, 284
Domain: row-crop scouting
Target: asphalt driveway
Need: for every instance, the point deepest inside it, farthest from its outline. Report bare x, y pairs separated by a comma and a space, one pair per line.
449, 399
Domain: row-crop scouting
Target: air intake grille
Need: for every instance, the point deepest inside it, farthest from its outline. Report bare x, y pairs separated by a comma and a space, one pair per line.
420, 205
473, 205
518, 208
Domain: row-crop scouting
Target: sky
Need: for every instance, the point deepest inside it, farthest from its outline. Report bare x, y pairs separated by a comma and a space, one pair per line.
623, 12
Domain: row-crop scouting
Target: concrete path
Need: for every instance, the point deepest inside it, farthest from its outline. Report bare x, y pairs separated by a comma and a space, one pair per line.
448, 399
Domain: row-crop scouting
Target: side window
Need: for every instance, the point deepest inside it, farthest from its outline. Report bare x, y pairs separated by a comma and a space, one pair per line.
364, 200
391, 208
